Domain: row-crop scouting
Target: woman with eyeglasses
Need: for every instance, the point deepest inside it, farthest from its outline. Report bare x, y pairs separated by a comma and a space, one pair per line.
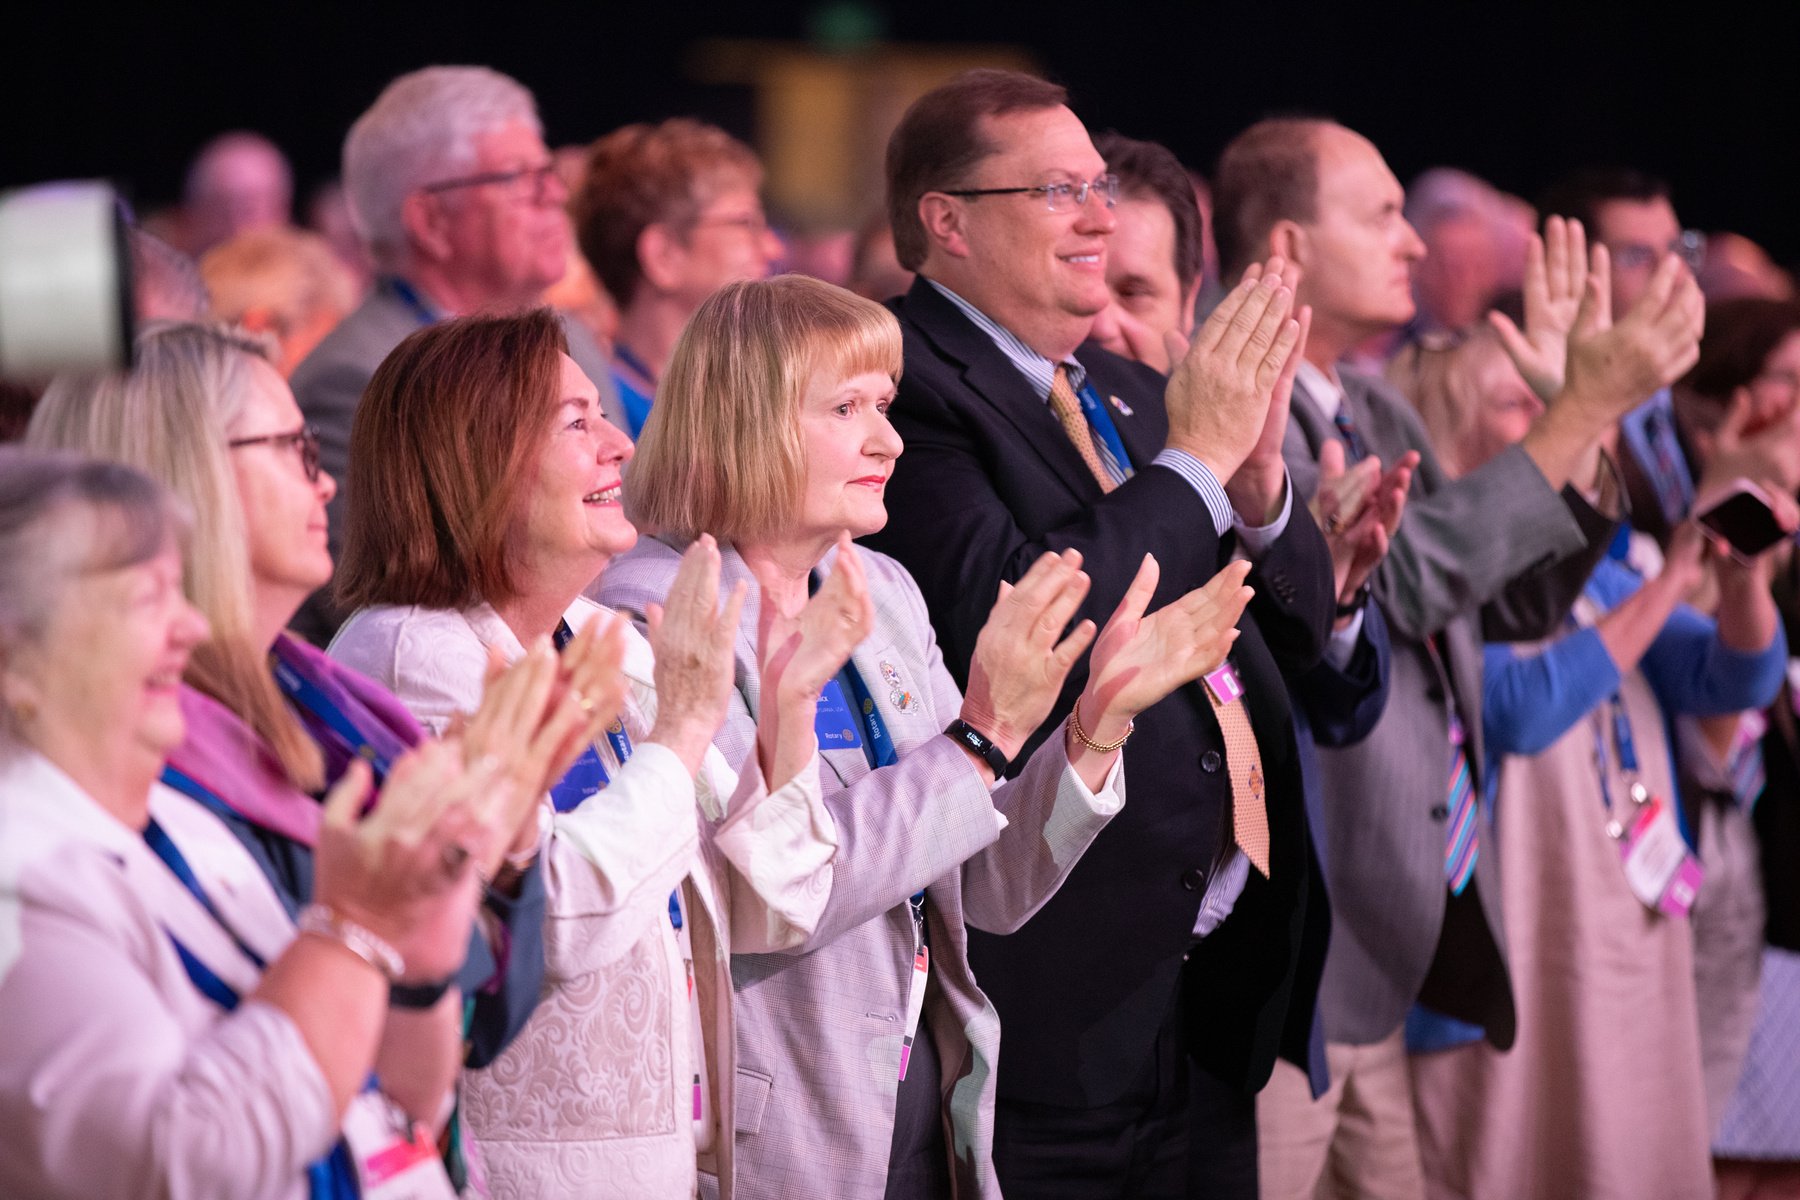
168, 1030
272, 722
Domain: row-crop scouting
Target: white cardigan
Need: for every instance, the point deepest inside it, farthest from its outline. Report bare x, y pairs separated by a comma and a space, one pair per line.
594, 1098
118, 1078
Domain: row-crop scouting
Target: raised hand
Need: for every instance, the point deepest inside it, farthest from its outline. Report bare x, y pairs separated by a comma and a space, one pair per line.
1021, 657
1219, 395
1139, 659
799, 651
406, 871
1614, 366
1359, 511
1556, 271
693, 635
1762, 446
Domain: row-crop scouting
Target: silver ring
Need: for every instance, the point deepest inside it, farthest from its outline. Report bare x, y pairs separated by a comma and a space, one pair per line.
455, 855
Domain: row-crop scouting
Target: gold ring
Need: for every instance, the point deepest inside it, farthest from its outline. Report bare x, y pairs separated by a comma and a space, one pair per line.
587, 706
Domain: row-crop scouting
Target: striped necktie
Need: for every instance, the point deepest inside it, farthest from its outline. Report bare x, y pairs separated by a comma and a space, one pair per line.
1067, 407
1461, 845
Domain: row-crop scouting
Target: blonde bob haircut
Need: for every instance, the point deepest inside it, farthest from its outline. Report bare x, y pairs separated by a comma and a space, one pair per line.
721, 452
169, 417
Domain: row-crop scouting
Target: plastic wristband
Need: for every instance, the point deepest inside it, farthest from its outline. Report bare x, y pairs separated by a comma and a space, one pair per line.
321, 921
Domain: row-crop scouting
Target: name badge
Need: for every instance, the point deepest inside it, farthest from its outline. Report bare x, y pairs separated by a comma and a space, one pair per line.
915, 1005
834, 722
395, 1159
1659, 869
1224, 684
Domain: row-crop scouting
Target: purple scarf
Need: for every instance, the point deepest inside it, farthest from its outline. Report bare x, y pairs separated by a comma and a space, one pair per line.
229, 759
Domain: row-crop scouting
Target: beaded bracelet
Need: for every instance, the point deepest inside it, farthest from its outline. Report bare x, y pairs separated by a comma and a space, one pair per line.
1082, 737
322, 921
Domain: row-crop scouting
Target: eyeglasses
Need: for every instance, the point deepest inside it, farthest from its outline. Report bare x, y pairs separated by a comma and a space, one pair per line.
524, 183
1058, 197
1690, 244
305, 440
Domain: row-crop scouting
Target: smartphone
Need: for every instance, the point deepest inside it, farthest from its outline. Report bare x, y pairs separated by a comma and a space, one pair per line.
1744, 520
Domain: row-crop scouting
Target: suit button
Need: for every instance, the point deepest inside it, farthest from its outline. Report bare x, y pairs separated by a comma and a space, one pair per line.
1193, 879
1209, 762
1440, 812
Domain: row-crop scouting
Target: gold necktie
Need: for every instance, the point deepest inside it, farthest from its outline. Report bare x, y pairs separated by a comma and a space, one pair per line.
1068, 410
1249, 813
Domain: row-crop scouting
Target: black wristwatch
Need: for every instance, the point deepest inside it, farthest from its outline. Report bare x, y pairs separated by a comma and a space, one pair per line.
1358, 598
967, 735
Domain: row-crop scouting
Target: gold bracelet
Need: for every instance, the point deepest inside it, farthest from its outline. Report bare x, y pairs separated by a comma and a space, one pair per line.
1082, 737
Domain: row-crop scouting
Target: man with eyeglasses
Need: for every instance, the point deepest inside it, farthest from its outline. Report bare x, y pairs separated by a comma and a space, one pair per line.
456, 195
1632, 215
1143, 1005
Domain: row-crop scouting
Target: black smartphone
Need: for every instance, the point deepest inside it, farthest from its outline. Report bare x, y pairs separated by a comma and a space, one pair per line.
1744, 520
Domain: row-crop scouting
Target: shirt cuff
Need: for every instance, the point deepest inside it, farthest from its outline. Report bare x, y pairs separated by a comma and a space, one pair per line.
1199, 476
1255, 539
1340, 648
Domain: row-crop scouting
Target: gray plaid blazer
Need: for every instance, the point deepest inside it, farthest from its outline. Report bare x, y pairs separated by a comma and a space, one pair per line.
819, 1029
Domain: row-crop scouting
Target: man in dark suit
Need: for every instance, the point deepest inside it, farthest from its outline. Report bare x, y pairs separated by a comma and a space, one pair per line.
462, 210
1502, 551
1145, 1003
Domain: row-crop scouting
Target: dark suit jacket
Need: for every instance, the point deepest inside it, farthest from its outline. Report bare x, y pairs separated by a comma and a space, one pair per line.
1499, 547
988, 482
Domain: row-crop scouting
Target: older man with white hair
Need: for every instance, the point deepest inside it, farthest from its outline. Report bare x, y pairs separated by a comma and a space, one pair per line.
458, 200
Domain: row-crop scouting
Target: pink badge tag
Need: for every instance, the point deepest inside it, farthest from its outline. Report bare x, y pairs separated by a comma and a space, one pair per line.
1224, 684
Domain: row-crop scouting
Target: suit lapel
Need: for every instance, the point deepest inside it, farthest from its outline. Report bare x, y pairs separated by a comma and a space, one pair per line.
990, 375
1307, 413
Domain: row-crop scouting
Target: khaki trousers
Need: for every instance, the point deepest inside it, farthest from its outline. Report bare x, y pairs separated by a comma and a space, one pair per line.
1356, 1142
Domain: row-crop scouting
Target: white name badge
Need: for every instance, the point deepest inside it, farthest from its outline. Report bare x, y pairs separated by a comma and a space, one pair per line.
1658, 867
395, 1159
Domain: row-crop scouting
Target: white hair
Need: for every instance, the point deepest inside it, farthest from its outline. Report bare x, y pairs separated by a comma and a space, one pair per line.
421, 129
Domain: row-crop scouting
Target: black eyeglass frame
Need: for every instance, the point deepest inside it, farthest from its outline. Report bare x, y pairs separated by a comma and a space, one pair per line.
305, 440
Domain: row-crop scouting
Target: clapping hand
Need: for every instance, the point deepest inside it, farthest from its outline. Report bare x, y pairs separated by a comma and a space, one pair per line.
1556, 273
1021, 656
800, 650
693, 635
1359, 511
1613, 367
540, 713
1139, 659
406, 871
1224, 385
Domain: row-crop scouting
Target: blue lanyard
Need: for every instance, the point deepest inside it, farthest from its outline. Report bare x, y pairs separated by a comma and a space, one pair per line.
403, 292
588, 776
878, 746
164, 847
337, 726
1101, 422
332, 1177
194, 790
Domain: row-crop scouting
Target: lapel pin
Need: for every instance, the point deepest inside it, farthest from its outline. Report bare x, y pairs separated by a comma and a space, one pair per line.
1119, 404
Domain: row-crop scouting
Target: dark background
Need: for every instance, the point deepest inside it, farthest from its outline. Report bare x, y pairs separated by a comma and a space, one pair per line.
1706, 95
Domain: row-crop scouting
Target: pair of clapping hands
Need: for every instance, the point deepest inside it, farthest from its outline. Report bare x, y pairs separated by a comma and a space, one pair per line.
1025, 650
1228, 402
